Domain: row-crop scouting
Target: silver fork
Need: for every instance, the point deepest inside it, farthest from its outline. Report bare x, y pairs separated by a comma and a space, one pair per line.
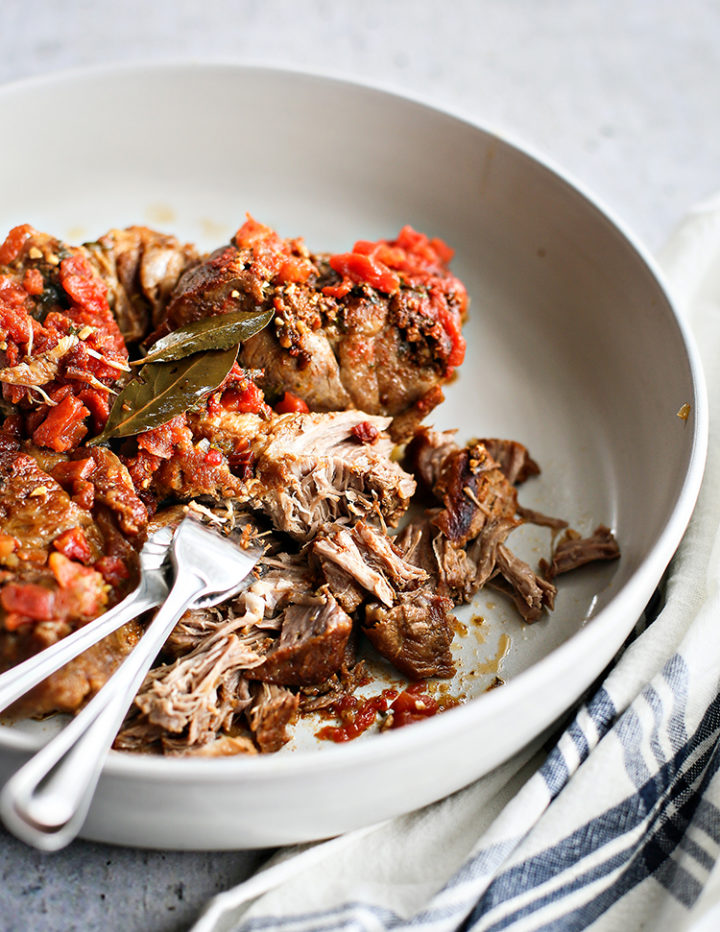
45, 803
150, 592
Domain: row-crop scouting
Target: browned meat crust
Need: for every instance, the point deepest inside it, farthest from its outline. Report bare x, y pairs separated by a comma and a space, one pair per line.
513, 459
405, 620
462, 545
474, 493
275, 709
530, 592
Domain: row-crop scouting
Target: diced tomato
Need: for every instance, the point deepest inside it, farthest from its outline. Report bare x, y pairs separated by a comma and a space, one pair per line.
64, 426
84, 586
33, 281
88, 293
98, 404
413, 705
365, 432
14, 320
73, 545
338, 291
113, 570
251, 232
295, 269
14, 243
213, 457
247, 398
162, 441
85, 288
72, 470
356, 716
363, 268
291, 404
419, 253
11, 292
26, 602
274, 258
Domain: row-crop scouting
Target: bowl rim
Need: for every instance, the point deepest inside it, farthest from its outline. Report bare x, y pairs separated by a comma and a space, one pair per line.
259, 768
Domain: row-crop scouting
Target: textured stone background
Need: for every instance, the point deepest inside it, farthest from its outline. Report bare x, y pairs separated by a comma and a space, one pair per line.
622, 94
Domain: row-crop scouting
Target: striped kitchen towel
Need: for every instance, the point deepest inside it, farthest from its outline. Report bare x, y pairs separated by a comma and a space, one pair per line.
617, 826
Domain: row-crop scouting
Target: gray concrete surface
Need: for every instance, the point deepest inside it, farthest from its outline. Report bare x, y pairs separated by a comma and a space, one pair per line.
623, 94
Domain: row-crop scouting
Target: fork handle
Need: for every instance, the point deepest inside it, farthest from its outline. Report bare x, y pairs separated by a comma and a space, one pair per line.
45, 803
20, 679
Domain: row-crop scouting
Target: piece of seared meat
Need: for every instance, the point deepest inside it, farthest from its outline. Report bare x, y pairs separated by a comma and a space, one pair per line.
311, 647
228, 667
513, 459
462, 545
273, 711
201, 692
404, 618
573, 551
415, 634
378, 328
474, 493
454, 572
361, 562
301, 470
348, 678
76, 683
311, 469
141, 268
530, 592
426, 453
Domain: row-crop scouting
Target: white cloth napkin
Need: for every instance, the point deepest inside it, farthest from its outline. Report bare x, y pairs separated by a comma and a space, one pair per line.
618, 827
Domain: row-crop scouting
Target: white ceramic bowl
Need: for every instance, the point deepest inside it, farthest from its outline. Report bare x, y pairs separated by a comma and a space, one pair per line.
573, 348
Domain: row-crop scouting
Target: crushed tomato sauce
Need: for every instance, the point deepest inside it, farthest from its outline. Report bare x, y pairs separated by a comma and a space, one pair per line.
398, 708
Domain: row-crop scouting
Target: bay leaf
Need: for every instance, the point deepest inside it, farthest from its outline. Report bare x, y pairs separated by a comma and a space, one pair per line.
209, 333
162, 390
